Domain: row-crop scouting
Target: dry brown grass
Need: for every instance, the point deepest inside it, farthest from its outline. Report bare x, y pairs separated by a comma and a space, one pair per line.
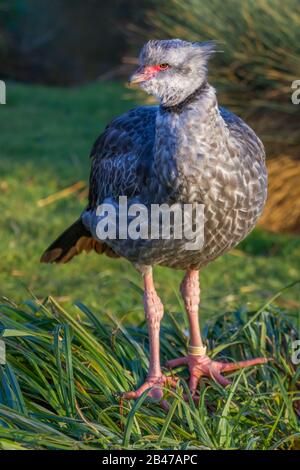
282, 212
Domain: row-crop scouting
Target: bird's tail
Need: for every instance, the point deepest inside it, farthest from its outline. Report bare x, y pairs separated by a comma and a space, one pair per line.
70, 243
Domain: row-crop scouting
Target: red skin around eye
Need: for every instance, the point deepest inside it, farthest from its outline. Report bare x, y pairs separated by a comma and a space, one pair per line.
153, 69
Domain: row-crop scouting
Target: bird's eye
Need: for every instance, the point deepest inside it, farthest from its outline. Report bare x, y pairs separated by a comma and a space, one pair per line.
163, 66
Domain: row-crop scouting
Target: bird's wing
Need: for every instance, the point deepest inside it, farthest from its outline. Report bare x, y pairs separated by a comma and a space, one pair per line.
122, 156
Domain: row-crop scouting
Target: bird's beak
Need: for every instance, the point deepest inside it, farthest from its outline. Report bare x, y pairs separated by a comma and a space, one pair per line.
138, 76
142, 74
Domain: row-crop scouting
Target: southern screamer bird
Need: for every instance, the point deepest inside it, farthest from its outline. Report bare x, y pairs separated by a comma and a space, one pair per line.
185, 151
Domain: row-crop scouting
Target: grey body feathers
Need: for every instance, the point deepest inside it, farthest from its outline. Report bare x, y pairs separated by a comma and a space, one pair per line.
194, 153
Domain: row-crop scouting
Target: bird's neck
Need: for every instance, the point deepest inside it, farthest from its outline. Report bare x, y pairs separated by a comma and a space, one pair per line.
186, 136
181, 104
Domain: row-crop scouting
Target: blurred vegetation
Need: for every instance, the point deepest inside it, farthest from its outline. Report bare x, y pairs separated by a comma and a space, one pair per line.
64, 42
259, 44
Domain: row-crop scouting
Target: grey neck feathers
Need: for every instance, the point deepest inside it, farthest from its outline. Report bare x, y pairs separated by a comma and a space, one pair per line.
187, 136
179, 107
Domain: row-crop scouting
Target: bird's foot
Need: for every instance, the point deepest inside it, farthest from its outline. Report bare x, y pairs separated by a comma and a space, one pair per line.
203, 366
155, 386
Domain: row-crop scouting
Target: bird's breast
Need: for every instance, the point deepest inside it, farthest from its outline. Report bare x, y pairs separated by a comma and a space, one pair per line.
196, 160
190, 155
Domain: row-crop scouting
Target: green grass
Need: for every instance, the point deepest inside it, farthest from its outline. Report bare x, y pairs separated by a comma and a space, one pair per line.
59, 389
46, 135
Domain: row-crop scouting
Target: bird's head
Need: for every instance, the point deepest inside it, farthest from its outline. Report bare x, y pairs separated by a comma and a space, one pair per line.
172, 69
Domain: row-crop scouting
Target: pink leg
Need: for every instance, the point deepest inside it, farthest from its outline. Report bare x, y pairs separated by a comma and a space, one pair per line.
190, 291
198, 362
154, 312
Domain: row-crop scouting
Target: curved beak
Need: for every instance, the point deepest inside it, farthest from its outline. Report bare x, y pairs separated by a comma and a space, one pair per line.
142, 74
138, 76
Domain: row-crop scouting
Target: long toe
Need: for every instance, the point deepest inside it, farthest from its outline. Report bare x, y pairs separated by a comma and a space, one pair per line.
232, 366
133, 395
177, 362
155, 386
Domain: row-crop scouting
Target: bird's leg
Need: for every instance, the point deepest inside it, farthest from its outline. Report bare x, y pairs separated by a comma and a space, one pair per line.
190, 291
198, 362
154, 312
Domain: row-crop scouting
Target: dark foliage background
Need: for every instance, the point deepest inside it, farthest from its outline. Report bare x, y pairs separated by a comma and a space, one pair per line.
71, 42
65, 42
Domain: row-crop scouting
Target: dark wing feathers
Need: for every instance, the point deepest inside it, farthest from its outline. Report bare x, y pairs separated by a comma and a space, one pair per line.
123, 155
121, 159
